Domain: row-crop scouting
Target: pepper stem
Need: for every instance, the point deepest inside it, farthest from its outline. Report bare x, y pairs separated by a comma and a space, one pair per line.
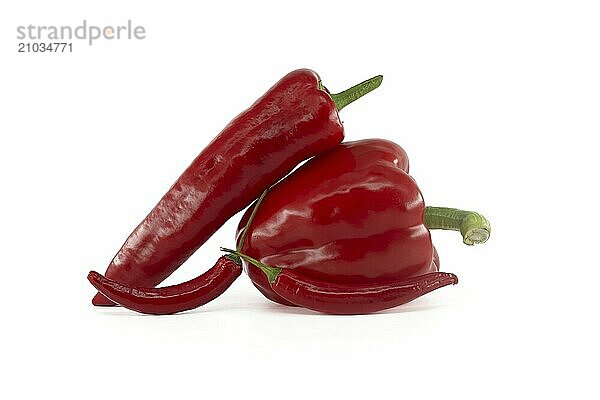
346, 97
240, 242
270, 272
235, 258
473, 227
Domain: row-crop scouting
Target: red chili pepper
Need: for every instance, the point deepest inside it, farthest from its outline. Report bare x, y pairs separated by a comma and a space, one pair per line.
348, 221
295, 120
180, 297
362, 299
335, 298
172, 299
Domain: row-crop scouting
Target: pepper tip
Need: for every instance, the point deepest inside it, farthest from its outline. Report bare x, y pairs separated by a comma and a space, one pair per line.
93, 276
99, 299
453, 278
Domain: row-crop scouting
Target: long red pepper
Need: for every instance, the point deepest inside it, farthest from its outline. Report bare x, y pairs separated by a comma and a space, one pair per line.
336, 298
295, 120
172, 299
341, 299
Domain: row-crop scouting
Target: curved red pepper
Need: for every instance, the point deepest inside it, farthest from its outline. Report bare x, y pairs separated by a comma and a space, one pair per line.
296, 119
172, 299
348, 220
334, 298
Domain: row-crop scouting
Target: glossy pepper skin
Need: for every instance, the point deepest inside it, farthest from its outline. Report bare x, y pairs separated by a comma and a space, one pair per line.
295, 120
172, 299
349, 217
345, 299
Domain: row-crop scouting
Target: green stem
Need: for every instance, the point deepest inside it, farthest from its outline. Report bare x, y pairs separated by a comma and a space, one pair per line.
235, 258
473, 227
346, 97
270, 272
252, 215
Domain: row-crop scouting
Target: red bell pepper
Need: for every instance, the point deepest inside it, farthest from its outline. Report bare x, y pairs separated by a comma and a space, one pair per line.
348, 233
296, 119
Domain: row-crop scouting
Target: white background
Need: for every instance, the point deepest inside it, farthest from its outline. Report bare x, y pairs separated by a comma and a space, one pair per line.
497, 104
